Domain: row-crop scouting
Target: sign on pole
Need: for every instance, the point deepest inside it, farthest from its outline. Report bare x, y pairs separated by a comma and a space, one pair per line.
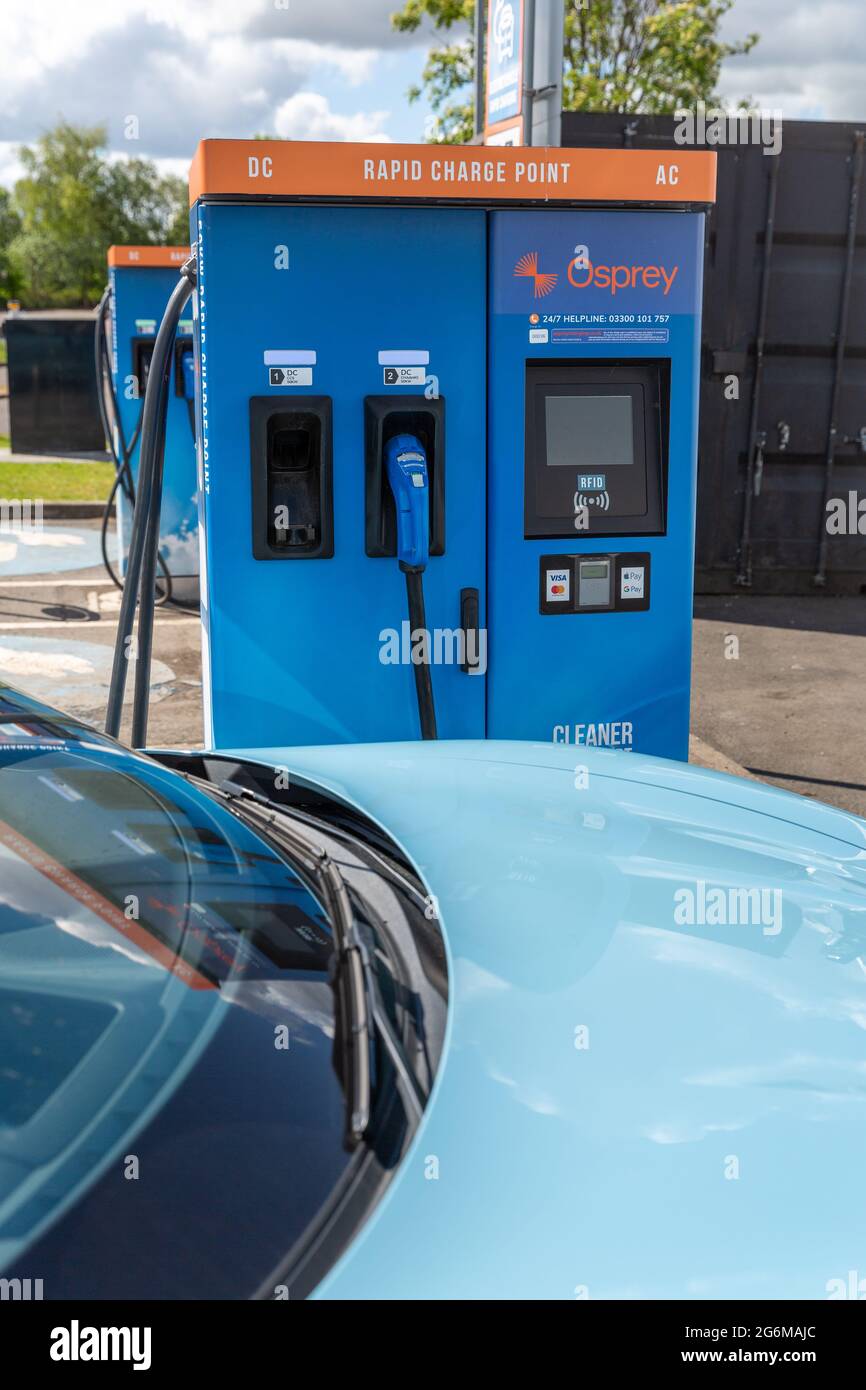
504, 107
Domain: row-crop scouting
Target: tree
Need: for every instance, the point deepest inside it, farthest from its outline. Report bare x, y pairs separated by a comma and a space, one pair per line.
73, 203
149, 208
645, 55
10, 226
450, 68
654, 56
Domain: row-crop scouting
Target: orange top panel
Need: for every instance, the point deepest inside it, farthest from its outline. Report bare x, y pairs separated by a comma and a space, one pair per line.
472, 173
148, 255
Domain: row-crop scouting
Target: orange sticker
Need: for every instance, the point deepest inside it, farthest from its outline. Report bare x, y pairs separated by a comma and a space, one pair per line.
462, 173
148, 255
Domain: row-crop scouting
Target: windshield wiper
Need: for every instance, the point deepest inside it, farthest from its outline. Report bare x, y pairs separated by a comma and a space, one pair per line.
351, 966
354, 973
411, 1090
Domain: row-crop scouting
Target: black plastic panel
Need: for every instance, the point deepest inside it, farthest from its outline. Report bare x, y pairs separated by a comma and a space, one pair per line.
624, 587
291, 457
142, 355
609, 396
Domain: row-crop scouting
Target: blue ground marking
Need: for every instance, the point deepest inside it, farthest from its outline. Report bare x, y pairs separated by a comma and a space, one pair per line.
52, 550
70, 675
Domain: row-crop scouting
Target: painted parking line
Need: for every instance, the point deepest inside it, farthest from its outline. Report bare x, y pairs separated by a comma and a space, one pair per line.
54, 583
26, 626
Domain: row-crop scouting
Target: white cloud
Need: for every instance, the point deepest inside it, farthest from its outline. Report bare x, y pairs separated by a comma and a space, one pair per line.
205, 68
178, 92
343, 23
10, 165
307, 116
809, 62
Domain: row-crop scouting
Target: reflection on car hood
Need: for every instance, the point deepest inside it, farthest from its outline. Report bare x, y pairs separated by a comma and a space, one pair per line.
654, 1085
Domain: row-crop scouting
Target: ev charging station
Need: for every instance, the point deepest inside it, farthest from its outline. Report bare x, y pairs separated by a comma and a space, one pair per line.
497, 348
141, 279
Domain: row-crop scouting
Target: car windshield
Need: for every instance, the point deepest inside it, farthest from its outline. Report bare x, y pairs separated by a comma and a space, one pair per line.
167, 1080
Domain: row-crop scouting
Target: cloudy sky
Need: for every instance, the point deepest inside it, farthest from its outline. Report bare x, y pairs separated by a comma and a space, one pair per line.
327, 69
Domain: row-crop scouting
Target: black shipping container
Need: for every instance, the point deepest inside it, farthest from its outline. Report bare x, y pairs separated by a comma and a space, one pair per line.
53, 405
785, 312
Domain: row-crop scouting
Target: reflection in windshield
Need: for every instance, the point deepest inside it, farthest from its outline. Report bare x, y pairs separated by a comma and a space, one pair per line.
169, 870
164, 992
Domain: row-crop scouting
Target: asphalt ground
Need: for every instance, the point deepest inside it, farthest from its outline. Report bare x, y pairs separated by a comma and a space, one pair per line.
787, 697
57, 630
778, 683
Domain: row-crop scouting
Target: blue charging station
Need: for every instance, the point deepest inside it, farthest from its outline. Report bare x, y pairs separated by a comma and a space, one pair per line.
141, 279
526, 323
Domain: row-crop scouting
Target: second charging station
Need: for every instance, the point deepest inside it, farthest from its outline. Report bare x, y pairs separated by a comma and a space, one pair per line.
140, 279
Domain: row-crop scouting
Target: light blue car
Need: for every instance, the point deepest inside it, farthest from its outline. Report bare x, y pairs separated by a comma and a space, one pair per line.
454, 1020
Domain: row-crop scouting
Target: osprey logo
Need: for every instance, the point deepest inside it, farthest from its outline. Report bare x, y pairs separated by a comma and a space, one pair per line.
503, 29
543, 282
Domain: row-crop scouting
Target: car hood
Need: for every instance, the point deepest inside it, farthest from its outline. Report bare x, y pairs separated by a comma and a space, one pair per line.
642, 1095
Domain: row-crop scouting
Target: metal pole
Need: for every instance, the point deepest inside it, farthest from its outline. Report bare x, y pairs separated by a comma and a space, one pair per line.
528, 67
479, 121
547, 64
744, 569
820, 576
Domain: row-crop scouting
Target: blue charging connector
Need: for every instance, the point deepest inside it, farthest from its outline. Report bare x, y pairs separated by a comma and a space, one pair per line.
406, 462
406, 466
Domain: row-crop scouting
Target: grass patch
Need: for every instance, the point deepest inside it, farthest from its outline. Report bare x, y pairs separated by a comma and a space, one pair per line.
2, 352
79, 481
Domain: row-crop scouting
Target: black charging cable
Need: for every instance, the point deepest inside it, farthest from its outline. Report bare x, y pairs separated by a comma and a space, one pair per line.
121, 452
423, 679
139, 589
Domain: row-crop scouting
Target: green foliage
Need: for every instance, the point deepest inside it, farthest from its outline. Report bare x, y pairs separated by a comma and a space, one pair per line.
450, 69
653, 56
10, 226
645, 55
73, 203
